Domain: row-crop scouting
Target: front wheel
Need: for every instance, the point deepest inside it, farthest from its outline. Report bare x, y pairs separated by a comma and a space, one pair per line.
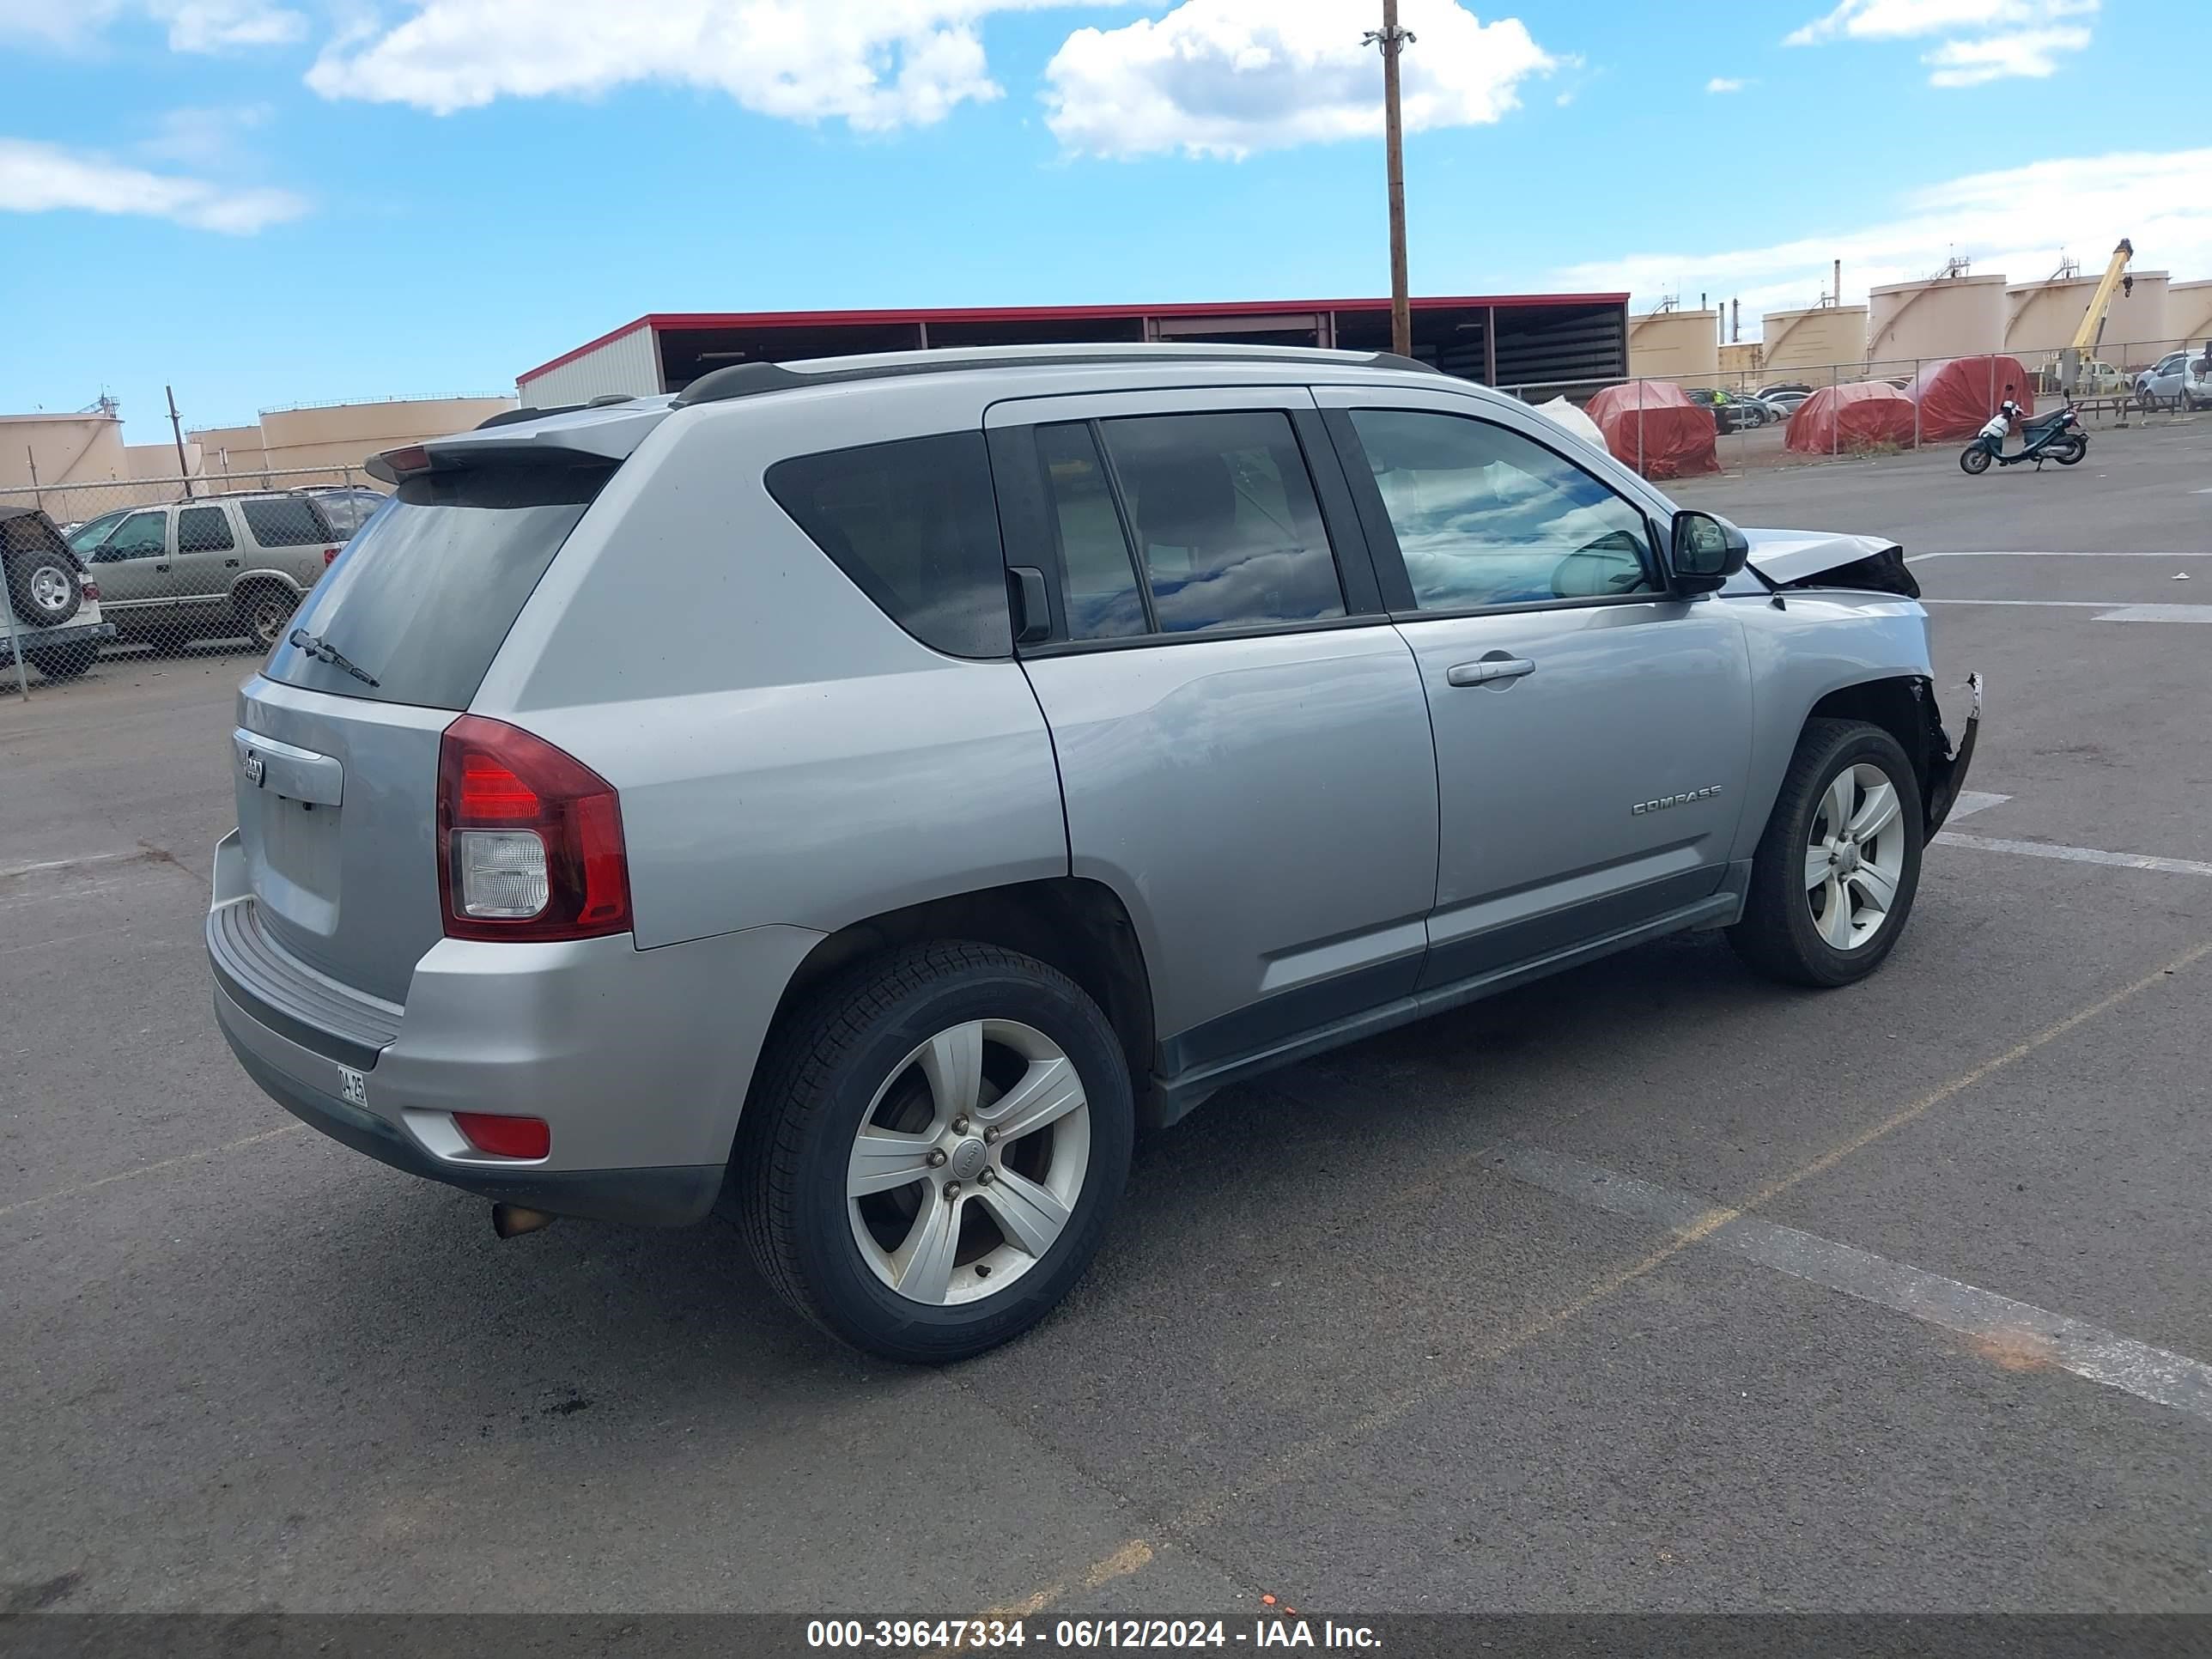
1834, 880
932, 1150
1974, 460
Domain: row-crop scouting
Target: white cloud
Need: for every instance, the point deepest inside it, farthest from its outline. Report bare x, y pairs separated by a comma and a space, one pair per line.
2009, 37
876, 64
2011, 222
1726, 83
37, 178
1900, 19
196, 26
2029, 53
206, 138
1228, 77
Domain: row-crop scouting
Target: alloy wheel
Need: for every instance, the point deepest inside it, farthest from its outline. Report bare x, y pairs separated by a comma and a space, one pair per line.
969, 1162
50, 590
1855, 856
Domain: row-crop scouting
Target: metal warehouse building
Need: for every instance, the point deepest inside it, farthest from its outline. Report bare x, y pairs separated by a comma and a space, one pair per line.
1507, 339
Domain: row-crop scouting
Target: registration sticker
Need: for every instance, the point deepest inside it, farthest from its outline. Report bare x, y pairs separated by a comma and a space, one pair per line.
353, 1085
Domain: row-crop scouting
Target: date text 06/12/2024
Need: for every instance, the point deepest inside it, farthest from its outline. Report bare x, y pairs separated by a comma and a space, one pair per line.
981, 1635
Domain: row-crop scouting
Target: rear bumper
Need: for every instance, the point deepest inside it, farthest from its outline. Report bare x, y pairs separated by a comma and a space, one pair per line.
638, 1060
35, 639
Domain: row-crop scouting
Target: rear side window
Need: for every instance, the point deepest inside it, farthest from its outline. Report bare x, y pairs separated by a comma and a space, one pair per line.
422, 598
292, 521
204, 530
915, 527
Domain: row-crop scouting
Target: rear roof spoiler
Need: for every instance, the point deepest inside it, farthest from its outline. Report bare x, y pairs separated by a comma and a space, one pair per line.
601, 435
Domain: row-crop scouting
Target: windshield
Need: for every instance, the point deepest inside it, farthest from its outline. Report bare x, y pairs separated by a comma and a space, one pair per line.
422, 597
93, 532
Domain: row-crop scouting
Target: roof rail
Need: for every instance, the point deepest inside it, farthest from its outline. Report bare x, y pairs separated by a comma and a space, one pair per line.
751, 379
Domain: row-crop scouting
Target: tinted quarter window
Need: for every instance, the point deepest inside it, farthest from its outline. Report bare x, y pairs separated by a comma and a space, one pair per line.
915, 527
422, 599
204, 530
287, 522
1485, 516
1223, 512
1098, 585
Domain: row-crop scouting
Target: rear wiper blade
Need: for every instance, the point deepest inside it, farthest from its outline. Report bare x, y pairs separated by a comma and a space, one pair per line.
323, 651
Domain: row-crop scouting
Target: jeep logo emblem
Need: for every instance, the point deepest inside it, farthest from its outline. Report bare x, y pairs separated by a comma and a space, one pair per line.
256, 769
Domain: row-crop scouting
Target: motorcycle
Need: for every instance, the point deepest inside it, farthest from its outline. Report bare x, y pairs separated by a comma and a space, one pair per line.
2057, 436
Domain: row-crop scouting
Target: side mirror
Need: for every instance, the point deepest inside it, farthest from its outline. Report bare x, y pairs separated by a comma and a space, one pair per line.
1706, 552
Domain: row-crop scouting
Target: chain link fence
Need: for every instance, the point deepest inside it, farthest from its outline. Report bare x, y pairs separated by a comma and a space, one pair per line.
163, 566
1674, 426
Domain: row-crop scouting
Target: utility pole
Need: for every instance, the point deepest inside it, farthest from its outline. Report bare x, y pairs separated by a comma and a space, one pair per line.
177, 427
1394, 40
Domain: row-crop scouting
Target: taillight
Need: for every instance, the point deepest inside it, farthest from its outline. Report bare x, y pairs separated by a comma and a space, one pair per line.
329, 554
530, 840
91, 591
505, 1137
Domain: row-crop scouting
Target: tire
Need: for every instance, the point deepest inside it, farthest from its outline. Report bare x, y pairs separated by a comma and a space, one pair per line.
1974, 460
862, 1054
65, 662
2071, 454
1792, 926
45, 586
262, 611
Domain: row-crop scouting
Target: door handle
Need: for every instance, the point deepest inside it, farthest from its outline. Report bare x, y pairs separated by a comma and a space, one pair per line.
231, 563
160, 566
1488, 669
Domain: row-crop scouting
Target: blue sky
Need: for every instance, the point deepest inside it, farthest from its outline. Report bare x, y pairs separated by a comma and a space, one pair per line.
268, 201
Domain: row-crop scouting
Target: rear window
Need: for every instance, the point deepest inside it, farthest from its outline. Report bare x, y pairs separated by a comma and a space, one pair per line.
287, 522
422, 599
916, 527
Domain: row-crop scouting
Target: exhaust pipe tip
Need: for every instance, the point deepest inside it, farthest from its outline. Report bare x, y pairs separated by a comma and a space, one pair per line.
513, 1220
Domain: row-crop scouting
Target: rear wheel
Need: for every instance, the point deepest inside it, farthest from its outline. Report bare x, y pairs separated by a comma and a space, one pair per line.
1834, 880
933, 1149
65, 662
2070, 454
262, 611
1974, 460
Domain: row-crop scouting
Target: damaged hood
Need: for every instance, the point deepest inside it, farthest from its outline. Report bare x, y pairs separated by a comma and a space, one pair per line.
1788, 556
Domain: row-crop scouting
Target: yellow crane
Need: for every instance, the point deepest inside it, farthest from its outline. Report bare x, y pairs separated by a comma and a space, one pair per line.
2092, 320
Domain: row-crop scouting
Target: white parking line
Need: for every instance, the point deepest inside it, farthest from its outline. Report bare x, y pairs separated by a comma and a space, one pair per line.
14, 871
1971, 801
2044, 849
2020, 1332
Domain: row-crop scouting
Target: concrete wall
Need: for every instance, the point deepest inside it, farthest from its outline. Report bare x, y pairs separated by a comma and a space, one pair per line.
2189, 311
1944, 317
60, 449
1674, 344
1817, 337
628, 363
2042, 317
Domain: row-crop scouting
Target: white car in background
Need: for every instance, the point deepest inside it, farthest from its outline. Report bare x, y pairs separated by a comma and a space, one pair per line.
49, 613
2178, 377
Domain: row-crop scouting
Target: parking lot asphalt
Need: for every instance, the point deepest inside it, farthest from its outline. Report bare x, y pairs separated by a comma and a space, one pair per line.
1653, 1286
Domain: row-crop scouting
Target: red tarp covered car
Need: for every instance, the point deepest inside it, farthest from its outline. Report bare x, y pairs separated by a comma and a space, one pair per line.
1868, 414
1959, 394
1652, 425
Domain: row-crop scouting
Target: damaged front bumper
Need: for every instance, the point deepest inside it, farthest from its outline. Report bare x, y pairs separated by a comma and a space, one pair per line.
1947, 766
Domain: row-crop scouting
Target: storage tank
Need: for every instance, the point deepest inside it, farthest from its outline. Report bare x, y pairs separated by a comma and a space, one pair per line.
2042, 318
1674, 344
1819, 336
2189, 311
60, 449
1941, 316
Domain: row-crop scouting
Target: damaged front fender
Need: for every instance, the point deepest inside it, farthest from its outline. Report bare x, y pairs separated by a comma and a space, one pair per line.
1947, 766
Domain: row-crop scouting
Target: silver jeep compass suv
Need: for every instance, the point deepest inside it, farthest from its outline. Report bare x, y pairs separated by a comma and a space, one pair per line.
862, 792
